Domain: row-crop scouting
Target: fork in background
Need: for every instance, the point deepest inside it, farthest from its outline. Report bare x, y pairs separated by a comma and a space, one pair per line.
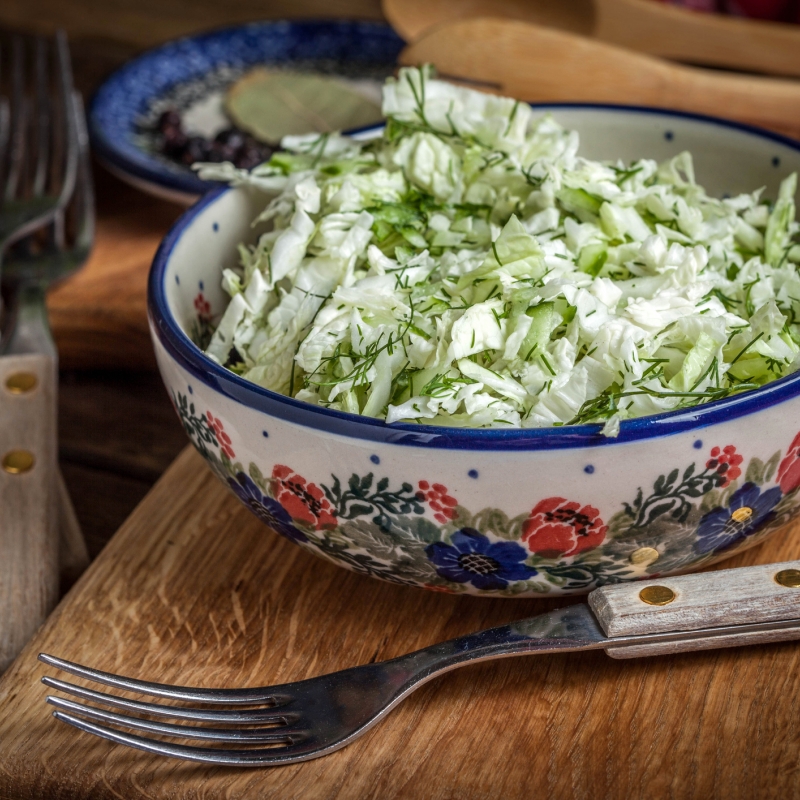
46, 229
38, 135
53, 253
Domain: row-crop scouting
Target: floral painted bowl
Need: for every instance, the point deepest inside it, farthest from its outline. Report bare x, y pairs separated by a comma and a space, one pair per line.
533, 512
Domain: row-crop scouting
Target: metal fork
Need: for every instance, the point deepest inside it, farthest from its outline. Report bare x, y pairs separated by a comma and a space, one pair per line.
46, 229
38, 137
32, 265
314, 717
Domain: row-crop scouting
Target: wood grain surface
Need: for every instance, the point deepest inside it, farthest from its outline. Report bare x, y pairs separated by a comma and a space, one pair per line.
193, 589
117, 434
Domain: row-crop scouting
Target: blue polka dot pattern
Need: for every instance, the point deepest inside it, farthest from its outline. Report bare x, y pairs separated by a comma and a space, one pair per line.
374, 459
588, 469
473, 473
669, 135
215, 226
776, 162
697, 444
265, 434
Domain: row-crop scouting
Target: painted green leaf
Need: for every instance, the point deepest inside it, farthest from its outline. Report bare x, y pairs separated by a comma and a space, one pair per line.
771, 466
755, 471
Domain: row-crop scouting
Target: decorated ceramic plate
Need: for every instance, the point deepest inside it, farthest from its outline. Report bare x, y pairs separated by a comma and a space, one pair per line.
230, 95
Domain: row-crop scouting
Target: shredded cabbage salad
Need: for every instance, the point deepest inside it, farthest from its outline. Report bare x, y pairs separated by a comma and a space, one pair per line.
469, 268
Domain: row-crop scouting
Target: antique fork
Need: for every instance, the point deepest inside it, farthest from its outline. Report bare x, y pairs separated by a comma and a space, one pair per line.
38, 138
30, 267
46, 228
311, 718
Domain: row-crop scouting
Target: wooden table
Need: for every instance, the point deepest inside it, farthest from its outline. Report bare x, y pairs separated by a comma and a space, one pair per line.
718, 724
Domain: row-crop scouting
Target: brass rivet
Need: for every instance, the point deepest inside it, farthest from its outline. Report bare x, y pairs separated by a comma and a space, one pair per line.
644, 555
742, 514
21, 382
789, 578
656, 595
17, 461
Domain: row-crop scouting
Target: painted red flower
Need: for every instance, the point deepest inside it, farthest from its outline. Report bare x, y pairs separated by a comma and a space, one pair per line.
789, 469
302, 500
202, 307
725, 463
436, 496
557, 527
222, 437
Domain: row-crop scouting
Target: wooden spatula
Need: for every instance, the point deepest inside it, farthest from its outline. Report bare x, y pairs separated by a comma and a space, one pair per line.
533, 63
643, 25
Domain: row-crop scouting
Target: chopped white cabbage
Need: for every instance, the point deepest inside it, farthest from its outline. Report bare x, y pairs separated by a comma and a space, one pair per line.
470, 268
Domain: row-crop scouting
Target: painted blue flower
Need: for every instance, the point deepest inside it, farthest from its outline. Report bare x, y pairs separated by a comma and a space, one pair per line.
748, 508
472, 558
265, 508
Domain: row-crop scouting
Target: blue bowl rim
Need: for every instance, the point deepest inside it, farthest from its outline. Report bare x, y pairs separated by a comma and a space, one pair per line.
147, 168
191, 358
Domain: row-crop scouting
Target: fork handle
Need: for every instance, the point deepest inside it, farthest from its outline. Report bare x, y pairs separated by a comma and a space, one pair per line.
28, 499
767, 593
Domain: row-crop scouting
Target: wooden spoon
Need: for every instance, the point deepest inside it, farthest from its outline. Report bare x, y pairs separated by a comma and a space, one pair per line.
539, 64
647, 26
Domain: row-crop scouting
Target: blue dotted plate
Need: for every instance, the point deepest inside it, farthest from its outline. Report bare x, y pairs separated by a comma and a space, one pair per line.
188, 67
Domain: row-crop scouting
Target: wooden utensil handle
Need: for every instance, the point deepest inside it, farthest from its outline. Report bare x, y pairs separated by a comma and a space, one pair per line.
765, 593
771, 102
663, 29
532, 63
28, 517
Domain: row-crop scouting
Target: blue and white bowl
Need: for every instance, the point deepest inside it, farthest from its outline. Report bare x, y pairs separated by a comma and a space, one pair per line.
187, 70
491, 512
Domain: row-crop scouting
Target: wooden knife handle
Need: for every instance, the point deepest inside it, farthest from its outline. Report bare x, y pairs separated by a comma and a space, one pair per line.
28, 499
764, 593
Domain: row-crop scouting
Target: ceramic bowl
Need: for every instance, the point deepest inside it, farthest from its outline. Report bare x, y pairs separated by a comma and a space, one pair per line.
491, 512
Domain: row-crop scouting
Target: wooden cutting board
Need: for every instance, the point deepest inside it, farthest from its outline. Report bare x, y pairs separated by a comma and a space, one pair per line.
195, 590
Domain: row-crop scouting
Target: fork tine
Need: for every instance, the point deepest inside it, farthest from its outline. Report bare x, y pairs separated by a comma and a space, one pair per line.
18, 115
4, 134
50, 165
69, 128
253, 757
245, 716
249, 696
254, 735
84, 190
41, 119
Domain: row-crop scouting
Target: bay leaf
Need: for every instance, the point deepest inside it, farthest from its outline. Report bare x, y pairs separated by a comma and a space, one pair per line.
270, 104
